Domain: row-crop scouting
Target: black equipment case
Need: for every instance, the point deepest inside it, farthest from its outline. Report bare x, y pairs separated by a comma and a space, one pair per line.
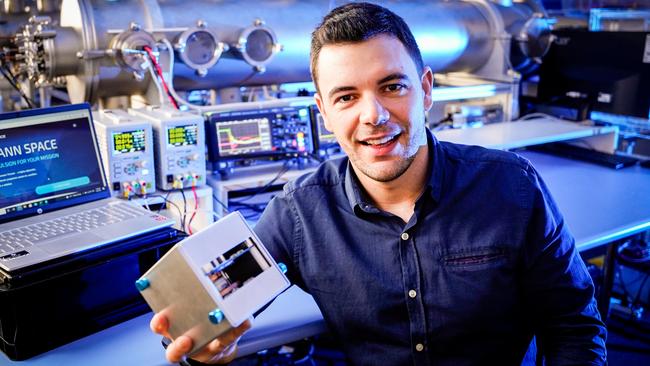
57, 302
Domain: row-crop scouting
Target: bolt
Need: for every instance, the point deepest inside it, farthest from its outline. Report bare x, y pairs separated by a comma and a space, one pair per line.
283, 267
142, 283
215, 316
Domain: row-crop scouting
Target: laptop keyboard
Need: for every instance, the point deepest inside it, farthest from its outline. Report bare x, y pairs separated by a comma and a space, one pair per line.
16, 239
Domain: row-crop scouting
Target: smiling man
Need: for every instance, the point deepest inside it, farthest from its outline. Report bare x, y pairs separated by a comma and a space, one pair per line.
419, 252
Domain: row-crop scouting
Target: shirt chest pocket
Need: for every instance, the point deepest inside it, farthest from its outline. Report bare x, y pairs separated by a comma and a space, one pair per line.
473, 282
473, 259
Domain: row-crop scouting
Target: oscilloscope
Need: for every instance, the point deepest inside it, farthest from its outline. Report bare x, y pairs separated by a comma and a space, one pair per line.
126, 145
325, 140
280, 129
179, 141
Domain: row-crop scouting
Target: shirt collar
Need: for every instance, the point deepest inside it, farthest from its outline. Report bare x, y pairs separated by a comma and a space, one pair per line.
359, 199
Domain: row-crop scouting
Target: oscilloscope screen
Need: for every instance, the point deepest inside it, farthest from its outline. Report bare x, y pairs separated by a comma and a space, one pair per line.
325, 138
243, 137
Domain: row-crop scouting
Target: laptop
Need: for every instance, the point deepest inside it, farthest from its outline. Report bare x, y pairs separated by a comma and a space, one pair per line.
55, 199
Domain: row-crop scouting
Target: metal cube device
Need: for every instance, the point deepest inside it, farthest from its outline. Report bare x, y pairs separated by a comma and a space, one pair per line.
213, 281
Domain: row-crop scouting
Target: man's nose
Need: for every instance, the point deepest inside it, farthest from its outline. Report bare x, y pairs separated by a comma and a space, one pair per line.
373, 112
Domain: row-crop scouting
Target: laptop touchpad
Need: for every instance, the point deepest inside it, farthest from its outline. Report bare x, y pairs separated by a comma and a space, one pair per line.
73, 243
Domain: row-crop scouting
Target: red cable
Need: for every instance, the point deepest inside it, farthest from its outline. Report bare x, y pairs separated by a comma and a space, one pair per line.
160, 74
196, 208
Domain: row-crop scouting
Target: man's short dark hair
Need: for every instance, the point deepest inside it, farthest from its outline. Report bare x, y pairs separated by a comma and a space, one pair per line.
358, 22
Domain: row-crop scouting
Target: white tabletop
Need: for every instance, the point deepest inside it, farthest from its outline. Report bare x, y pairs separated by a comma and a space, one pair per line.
512, 135
599, 205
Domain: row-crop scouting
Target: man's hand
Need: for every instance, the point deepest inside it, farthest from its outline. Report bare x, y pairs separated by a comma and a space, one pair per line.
220, 350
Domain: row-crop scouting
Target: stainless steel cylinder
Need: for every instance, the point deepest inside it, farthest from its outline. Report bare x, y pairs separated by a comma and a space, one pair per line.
531, 33
64, 60
452, 35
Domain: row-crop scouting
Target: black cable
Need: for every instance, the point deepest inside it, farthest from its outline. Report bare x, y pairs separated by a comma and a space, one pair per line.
448, 119
158, 71
184, 209
12, 81
166, 198
225, 207
257, 207
285, 168
167, 201
247, 78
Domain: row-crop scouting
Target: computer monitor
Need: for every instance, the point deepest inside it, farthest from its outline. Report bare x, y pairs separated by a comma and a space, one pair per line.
49, 159
607, 72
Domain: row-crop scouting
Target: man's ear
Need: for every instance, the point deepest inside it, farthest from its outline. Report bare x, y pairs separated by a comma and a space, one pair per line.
320, 104
427, 86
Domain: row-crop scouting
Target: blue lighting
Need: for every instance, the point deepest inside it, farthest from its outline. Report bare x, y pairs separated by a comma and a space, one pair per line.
619, 119
442, 43
462, 92
295, 87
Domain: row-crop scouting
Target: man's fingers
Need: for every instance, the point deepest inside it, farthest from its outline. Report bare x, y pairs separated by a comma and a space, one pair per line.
178, 348
182, 345
234, 334
223, 346
227, 339
160, 325
241, 329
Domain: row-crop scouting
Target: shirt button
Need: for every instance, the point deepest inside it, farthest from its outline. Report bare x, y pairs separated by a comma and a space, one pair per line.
419, 347
405, 236
412, 294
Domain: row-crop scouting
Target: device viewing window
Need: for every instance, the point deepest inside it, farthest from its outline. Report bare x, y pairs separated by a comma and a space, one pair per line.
232, 270
182, 135
245, 136
128, 142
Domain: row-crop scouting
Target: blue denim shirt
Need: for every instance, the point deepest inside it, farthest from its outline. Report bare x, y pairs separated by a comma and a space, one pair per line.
485, 263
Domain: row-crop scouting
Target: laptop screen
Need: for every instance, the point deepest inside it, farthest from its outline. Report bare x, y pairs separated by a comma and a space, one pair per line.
49, 159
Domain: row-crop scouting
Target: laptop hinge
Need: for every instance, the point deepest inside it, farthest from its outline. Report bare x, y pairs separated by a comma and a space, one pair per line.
4, 277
